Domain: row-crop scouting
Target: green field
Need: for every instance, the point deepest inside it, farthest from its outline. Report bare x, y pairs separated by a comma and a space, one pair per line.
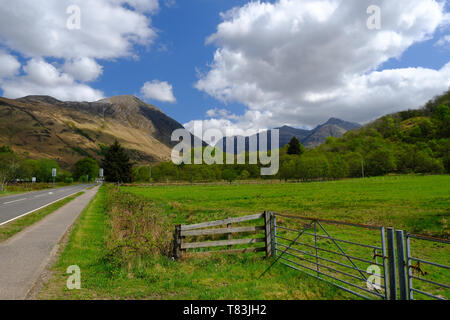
120, 240
419, 204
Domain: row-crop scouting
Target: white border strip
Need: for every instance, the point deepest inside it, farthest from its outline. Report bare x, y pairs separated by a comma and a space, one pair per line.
25, 214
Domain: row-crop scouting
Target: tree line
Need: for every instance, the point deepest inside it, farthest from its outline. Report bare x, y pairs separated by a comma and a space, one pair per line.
20, 168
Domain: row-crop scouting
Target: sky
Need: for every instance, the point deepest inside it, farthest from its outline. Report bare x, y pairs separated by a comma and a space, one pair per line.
235, 64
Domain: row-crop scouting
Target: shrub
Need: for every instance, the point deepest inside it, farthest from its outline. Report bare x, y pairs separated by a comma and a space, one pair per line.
138, 230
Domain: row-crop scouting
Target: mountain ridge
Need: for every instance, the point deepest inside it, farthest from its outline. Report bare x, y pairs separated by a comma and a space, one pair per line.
334, 127
42, 126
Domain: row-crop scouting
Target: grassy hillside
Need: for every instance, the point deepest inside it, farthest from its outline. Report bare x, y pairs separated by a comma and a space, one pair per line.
43, 127
409, 141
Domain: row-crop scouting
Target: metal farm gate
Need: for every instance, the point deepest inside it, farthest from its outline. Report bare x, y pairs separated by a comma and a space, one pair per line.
424, 278
350, 256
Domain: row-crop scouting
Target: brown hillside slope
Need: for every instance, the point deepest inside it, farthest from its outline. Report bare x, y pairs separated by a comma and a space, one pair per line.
41, 126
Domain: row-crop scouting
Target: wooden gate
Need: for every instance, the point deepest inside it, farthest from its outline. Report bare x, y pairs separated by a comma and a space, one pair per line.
186, 236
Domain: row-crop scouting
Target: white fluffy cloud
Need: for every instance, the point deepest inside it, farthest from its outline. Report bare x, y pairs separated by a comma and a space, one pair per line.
9, 66
300, 62
83, 69
42, 78
109, 29
158, 90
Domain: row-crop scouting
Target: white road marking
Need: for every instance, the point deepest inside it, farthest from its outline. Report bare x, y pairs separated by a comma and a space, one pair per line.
25, 214
40, 195
15, 201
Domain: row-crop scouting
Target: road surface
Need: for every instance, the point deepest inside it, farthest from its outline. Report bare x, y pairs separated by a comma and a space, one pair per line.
16, 206
25, 256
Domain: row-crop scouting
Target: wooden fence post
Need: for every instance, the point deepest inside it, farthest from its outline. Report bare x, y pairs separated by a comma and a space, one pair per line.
177, 242
229, 234
268, 231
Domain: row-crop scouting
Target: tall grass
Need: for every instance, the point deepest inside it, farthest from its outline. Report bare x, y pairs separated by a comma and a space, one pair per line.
138, 230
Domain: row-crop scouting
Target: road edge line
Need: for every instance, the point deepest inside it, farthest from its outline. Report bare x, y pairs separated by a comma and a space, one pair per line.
48, 204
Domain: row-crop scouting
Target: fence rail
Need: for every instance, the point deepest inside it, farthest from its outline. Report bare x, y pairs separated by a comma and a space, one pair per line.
344, 254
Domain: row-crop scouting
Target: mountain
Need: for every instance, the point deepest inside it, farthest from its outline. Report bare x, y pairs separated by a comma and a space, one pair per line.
42, 126
309, 138
286, 134
332, 128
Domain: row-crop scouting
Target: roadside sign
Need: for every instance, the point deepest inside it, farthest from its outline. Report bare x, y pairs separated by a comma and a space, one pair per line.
54, 172
33, 179
101, 173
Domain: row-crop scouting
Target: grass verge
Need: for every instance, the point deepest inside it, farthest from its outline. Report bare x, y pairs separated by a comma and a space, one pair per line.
14, 227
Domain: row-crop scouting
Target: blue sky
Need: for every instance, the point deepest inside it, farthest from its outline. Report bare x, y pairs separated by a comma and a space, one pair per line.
183, 29
268, 71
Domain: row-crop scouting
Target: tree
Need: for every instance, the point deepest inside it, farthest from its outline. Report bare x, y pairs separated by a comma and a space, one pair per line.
311, 167
45, 169
338, 167
380, 162
86, 167
287, 170
446, 162
141, 174
116, 164
8, 168
244, 175
355, 164
28, 169
295, 147
229, 175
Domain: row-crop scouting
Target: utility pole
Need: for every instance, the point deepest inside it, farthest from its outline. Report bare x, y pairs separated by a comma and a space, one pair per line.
362, 167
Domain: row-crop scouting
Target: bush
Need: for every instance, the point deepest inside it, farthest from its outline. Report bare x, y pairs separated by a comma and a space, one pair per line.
68, 180
229, 175
137, 229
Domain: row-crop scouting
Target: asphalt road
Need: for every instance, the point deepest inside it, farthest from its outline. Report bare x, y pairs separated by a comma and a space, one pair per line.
18, 205
25, 256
